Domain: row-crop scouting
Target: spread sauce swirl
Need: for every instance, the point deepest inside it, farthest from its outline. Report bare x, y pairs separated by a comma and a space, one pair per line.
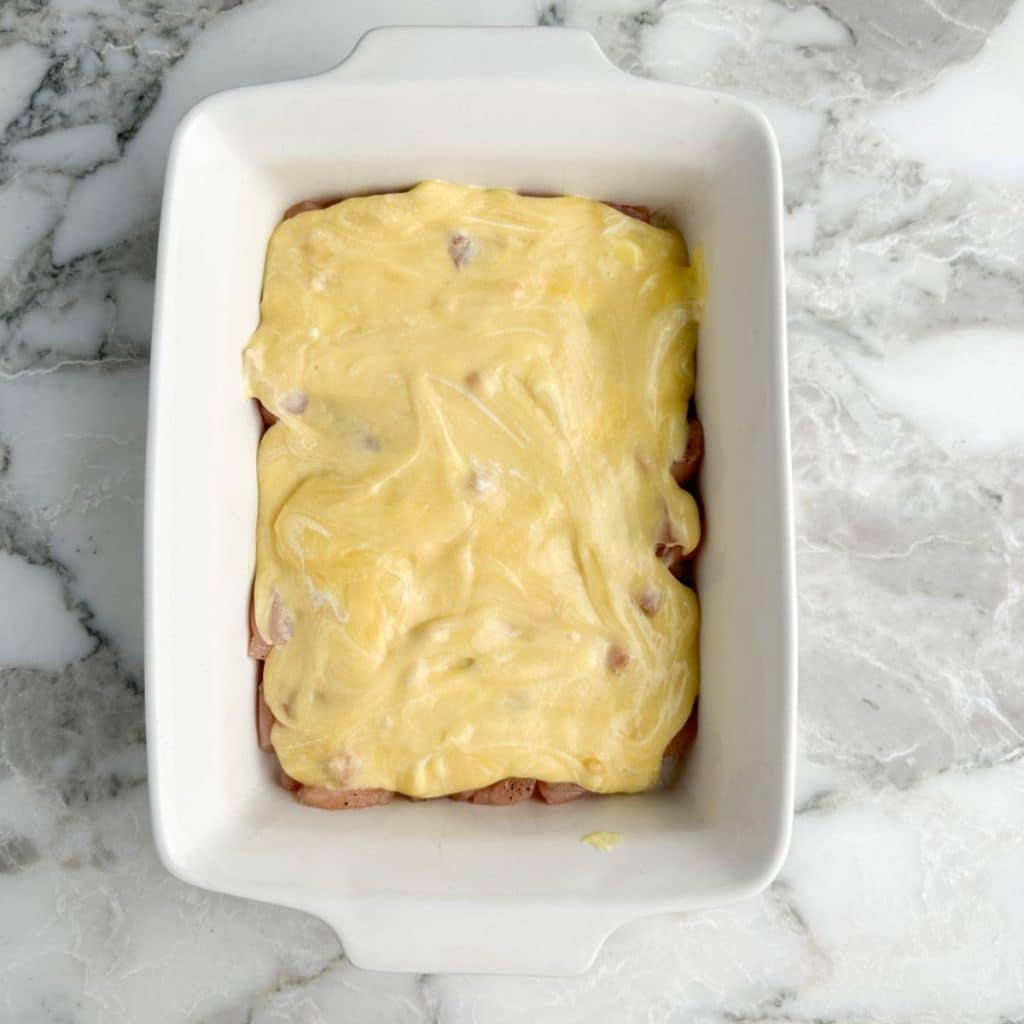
480, 397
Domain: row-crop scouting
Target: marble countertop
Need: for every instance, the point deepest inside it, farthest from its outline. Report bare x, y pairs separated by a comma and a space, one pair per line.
903, 149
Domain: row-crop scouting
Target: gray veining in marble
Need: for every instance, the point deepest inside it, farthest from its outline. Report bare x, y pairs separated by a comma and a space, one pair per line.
904, 170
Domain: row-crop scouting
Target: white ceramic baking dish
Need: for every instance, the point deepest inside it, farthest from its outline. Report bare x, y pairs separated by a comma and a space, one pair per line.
448, 886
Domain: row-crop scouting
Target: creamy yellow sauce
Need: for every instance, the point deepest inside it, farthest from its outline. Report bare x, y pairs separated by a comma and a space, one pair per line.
603, 841
480, 398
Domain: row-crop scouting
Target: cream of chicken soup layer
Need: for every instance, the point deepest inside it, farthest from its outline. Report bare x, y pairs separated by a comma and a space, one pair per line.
468, 501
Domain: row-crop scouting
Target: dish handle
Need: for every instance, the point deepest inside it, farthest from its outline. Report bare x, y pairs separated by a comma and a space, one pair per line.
473, 938
528, 54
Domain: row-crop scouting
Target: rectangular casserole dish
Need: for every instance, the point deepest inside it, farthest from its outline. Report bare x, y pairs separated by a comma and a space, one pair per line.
443, 886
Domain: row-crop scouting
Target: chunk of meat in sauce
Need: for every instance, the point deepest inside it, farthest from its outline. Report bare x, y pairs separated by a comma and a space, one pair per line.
683, 740
617, 659
268, 418
460, 249
505, 791
684, 469
559, 792
669, 550
309, 204
295, 402
280, 630
342, 799
649, 601
636, 212
258, 647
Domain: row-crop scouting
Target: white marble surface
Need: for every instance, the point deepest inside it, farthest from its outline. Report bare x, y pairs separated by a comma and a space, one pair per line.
903, 897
